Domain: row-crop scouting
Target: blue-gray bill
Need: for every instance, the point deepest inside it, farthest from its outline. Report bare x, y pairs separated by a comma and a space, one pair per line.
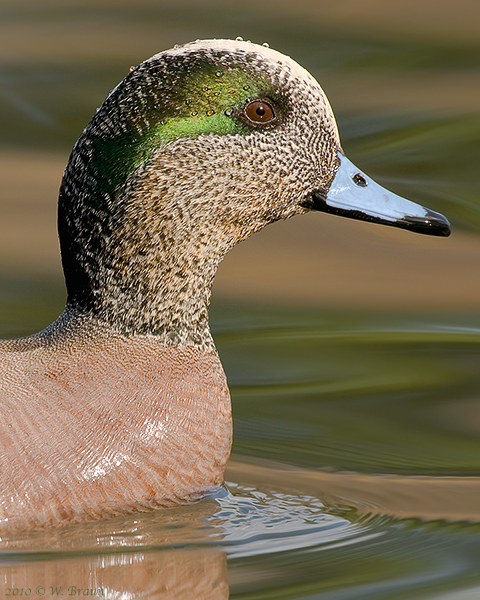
355, 195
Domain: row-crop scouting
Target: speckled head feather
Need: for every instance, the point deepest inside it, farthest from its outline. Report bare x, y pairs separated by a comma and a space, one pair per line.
170, 174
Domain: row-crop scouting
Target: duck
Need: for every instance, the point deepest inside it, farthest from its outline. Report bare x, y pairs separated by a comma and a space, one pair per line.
122, 405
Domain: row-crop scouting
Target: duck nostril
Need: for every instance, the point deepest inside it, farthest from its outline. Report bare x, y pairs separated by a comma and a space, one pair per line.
359, 179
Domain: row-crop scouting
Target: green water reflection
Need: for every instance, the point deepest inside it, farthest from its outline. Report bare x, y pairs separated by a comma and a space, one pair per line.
355, 391
403, 562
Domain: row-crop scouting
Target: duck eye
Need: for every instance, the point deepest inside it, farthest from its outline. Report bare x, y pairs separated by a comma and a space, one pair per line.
259, 111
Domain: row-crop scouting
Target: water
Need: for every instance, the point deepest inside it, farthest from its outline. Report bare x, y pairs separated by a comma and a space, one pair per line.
357, 392
355, 471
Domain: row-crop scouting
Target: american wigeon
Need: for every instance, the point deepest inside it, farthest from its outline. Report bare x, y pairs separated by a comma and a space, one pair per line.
122, 403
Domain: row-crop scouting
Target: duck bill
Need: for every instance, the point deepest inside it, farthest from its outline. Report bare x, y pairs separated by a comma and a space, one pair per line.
355, 195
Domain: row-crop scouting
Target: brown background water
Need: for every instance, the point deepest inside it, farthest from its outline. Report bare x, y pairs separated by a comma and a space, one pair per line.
352, 350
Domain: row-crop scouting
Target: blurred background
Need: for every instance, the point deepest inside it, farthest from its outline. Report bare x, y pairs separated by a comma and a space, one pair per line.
348, 347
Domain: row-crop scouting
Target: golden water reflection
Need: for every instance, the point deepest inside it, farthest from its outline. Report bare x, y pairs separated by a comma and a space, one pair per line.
149, 556
169, 575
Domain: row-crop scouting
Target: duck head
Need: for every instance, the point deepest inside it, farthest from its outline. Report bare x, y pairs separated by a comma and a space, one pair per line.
196, 149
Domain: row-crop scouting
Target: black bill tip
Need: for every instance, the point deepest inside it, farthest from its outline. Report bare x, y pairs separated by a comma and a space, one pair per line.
432, 224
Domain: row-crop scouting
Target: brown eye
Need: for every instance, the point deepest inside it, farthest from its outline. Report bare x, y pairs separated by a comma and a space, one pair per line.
259, 111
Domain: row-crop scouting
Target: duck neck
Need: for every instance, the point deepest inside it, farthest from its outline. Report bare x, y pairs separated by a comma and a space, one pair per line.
145, 294
140, 263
